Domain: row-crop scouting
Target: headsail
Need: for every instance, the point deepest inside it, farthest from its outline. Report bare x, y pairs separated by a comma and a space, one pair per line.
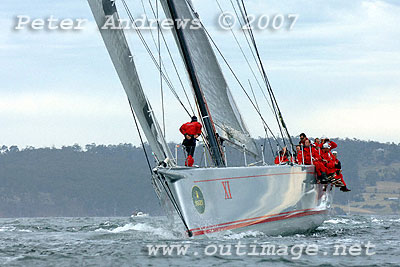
222, 107
122, 59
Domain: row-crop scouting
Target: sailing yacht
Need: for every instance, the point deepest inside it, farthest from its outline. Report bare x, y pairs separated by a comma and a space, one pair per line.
277, 199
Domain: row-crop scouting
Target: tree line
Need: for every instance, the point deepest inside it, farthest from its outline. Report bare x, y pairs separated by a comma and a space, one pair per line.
114, 180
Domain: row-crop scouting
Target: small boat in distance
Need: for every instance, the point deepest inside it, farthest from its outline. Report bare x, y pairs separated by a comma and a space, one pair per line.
274, 199
139, 214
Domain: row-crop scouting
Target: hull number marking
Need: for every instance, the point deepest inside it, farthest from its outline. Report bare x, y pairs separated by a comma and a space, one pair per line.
227, 190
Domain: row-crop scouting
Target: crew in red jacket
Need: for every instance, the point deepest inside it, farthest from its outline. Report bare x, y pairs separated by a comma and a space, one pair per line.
303, 138
310, 153
311, 157
339, 181
191, 131
317, 143
299, 153
328, 160
332, 144
283, 157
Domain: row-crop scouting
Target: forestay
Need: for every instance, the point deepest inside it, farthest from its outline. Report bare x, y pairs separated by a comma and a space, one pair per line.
122, 59
222, 107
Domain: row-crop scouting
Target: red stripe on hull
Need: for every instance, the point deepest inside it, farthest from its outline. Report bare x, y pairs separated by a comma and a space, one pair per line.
254, 176
202, 231
250, 219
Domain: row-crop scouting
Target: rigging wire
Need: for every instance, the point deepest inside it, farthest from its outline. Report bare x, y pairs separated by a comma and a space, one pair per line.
169, 53
244, 55
242, 27
174, 203
161, 63
267, 82
152, 56
232, 71
141, 138
266, 132
164, 183
263, 73
250, 67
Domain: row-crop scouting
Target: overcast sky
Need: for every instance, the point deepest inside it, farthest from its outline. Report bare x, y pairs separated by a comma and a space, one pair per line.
336, 73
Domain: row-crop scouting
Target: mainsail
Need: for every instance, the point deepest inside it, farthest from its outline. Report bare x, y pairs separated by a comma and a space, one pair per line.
122, 59
223, 109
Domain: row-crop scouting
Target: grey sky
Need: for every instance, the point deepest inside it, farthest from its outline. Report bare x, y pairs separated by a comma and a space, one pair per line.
337, 73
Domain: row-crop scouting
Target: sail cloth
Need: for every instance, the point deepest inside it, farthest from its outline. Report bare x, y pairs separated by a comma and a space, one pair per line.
222, 107
122, 59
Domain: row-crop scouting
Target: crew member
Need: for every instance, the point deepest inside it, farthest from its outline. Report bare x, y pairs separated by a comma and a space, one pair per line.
299, 153
317, 143
311, 157
339, 176
328, 160
191, 131
331, 144
303, 138
282, 157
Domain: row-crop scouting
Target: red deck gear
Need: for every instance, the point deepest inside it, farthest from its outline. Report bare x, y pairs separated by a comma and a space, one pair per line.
191, 128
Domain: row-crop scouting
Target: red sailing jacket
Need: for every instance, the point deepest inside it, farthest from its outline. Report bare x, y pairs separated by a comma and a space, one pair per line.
307, 155
316, 159
302, 142
283, 160
333, 145
317, 145
300, 157
330, 161
191, 128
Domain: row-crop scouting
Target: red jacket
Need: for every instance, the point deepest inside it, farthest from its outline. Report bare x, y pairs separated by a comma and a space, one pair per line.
330, 161
282, 160
338, 166
307, 155
302, 142
333, 145
191, 128
317, 145
300, 157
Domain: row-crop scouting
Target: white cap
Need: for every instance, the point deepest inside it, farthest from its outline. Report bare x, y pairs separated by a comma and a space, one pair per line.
334, 152
326, 145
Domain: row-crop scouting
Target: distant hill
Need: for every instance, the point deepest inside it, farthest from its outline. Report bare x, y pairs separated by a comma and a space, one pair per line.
114, 180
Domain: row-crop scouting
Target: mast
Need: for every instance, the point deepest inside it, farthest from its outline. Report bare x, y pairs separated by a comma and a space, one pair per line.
215, 149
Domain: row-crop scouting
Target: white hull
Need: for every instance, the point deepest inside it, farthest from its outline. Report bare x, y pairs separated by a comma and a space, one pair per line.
275, 200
